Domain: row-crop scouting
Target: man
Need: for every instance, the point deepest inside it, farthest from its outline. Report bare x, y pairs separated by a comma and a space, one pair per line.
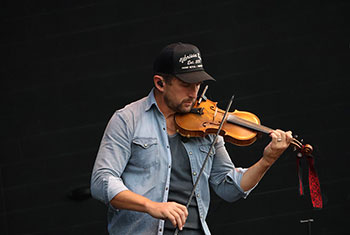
145, 171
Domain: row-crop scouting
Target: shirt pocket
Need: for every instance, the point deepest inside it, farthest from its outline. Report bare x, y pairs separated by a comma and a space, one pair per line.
144, 152
204, 149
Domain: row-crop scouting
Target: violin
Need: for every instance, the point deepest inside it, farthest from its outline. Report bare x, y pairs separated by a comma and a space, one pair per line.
240, 127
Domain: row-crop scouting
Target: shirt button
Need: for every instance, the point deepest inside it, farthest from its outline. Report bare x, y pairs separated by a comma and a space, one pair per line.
160, 230
163, 128
169, 166
190, 153
167, 146
166, 188
197, 194
146, 145
194, 173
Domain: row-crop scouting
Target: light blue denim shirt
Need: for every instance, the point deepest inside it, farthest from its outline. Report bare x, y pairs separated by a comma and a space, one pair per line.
135, 155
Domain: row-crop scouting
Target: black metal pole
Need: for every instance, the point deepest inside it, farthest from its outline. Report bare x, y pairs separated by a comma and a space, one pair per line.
309, 221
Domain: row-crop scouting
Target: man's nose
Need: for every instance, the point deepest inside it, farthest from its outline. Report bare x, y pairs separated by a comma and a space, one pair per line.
194, 88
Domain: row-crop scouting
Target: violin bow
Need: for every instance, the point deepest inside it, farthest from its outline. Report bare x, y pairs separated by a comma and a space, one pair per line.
208, 154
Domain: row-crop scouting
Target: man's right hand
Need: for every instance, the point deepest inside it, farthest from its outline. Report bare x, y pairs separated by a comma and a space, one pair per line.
174, 212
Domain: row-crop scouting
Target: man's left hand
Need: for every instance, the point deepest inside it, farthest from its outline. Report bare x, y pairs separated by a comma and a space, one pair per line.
279, 143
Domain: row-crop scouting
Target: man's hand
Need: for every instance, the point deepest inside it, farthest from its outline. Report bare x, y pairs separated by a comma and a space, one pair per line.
172, 211
175, 212
279, 143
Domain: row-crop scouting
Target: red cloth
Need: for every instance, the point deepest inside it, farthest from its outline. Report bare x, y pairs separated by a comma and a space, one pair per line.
314, 183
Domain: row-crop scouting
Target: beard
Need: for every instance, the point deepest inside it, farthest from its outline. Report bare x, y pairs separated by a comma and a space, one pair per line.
184, 106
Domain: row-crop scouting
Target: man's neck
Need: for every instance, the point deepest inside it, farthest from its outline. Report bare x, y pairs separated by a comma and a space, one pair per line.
168, 113
170, 124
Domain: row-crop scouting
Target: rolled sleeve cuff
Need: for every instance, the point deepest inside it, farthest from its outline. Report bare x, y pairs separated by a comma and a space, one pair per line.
114, 186
236, 177
240, 172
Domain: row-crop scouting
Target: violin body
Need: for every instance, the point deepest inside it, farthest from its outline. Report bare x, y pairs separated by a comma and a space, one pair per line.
205, 118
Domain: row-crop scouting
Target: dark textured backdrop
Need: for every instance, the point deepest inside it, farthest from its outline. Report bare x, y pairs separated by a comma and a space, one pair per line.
68, 65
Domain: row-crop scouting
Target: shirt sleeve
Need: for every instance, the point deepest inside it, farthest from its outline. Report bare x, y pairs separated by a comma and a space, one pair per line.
112, 157
225, 178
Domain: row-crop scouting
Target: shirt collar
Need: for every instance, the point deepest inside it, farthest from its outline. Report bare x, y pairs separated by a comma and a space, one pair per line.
151, 100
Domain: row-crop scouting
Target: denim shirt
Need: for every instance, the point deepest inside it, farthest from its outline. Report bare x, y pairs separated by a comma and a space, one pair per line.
135, 155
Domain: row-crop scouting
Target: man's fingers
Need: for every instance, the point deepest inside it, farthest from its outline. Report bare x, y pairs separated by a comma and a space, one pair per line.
182, 212
171, 218
276, 136
176, 214
183, 209
177, 219
281, 136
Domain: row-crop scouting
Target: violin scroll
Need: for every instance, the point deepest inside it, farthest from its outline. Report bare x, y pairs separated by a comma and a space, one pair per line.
304, 150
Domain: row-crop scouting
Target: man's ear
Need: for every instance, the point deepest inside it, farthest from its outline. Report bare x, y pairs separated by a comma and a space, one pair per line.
158, 82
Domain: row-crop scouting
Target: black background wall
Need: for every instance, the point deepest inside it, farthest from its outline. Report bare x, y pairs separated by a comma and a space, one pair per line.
68, 65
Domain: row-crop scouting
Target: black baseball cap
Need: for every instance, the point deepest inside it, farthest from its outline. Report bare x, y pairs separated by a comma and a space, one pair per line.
182, 60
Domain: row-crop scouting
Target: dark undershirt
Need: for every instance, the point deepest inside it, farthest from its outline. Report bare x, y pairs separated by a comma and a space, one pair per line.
181, 187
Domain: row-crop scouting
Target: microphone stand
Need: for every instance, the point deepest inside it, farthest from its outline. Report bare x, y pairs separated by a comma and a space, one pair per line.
309, 221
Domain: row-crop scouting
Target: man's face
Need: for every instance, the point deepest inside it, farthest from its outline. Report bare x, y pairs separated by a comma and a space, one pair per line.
180, 96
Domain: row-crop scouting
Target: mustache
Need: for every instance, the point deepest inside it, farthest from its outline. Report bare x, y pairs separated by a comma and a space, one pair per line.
189, 100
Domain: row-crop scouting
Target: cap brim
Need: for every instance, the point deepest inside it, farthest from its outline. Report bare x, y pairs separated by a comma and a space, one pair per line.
194, 77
